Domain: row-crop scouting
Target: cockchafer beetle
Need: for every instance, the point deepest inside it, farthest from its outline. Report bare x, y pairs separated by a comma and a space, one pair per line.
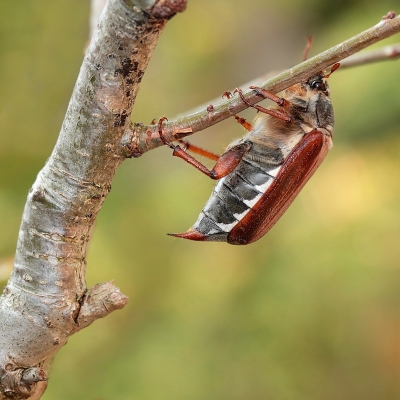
261, 174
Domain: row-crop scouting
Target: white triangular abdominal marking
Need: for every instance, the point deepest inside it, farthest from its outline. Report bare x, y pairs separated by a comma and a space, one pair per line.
274, 172
263, 188
251, 203
239, 217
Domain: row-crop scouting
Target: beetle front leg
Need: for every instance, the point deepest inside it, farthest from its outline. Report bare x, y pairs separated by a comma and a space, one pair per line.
274, 113
225, 164
268, 95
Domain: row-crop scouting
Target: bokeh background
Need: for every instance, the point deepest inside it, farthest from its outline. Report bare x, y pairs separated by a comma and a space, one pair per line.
311, 311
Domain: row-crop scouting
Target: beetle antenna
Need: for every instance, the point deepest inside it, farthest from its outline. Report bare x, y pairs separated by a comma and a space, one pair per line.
308, 47
333, 69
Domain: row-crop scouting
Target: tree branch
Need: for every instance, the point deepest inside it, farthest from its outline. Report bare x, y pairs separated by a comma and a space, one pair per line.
98, 302
140, 138
386, 53
46, 300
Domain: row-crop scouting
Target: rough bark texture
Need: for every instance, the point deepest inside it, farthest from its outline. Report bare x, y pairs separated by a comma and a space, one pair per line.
46, 299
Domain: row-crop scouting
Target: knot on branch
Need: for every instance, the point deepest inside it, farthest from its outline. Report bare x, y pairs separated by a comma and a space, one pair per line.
166, 9
20, 383
130, 141
99, 301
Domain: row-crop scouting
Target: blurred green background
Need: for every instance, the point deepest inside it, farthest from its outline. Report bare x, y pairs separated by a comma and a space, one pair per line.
311, 311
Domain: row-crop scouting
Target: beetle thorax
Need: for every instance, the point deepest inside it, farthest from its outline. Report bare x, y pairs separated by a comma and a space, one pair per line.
318, 115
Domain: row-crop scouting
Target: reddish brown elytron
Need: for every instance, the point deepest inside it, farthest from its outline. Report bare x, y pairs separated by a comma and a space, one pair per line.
261, 174
293, 175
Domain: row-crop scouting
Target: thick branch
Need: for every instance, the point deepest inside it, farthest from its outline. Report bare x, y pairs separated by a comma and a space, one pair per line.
140, 138
46, 300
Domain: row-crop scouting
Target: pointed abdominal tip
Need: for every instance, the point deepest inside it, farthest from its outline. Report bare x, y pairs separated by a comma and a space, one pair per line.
191, 234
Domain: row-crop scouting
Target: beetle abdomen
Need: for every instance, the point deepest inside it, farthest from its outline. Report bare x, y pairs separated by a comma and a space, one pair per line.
232, 198
263, 192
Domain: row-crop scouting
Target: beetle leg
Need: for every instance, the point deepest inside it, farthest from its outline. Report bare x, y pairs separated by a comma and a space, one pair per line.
246, 125
186, 145
160, 133
198, 150
274, 113
268, 95
226, 95
225, 164
229, 160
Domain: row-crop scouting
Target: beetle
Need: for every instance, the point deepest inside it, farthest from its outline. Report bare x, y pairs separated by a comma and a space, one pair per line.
262, 173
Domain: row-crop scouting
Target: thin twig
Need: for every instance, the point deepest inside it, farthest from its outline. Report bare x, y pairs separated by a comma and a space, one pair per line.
140, 138
391, 52
383, 54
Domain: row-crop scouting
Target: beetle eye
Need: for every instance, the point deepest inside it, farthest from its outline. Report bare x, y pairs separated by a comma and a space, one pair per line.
317, 85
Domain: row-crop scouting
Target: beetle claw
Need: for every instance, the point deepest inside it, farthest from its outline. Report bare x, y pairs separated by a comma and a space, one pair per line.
160, 132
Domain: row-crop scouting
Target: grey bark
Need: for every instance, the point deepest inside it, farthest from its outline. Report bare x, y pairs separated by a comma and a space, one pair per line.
46, 299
